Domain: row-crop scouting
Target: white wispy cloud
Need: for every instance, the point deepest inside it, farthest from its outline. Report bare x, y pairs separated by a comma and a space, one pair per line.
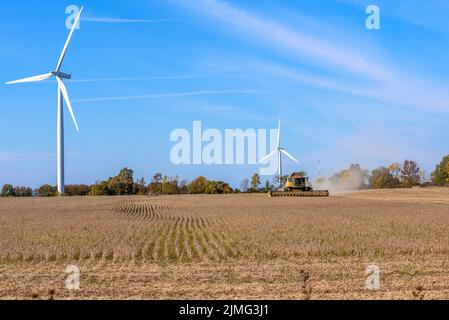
174, 77
173, 95
316, 50
308, 78
168, 78
126, 20
365, 72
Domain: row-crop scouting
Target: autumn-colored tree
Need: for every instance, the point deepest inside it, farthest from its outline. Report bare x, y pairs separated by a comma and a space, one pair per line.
23, 192
198, 185
122, 184
410, 174
77, 190
255, 182
383, 178
395, 169
170, 185
155, 185
139, 186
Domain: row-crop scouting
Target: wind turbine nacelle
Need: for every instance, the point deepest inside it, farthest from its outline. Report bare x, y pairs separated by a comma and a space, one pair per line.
62, 75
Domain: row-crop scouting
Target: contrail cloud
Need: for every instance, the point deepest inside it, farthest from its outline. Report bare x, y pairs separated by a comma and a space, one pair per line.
125, 20
173, 95
180, 77
174, 77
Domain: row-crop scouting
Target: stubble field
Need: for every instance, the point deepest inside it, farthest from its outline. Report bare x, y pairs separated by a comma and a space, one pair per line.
245, 246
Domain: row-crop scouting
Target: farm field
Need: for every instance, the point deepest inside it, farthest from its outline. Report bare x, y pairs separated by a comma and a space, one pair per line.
245, 246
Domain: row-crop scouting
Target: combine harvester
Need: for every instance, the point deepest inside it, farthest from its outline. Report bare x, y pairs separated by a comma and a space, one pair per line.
298, 186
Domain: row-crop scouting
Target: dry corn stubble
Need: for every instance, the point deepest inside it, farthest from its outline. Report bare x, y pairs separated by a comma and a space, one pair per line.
227, 246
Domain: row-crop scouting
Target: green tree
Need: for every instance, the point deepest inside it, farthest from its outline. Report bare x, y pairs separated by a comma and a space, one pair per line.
198, 185
383, 178
410, 174
7, 191
47, 190
101, 189
123, 183
255, 182
440, 176
217, 187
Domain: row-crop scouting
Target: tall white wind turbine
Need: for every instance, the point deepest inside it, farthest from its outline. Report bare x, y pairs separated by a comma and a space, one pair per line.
62, 95
280, 151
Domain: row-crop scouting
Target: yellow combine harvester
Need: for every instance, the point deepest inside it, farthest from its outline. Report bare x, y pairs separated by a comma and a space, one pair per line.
297, 185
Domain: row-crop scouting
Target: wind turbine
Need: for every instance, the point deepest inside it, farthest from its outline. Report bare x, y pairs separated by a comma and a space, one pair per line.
280, 151
62, 95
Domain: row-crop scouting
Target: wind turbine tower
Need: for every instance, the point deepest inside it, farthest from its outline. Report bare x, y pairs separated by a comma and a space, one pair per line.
62, 96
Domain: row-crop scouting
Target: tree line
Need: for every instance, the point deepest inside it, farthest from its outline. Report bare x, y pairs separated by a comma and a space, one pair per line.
406, 175
395, 175
124, 184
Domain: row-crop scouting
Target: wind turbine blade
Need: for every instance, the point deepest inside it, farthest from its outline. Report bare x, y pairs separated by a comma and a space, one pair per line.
67, 100
288, 155
279, 133
64, 50
32, 79
267, 157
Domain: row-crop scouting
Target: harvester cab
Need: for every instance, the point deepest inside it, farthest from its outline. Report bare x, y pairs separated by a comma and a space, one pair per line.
297, 181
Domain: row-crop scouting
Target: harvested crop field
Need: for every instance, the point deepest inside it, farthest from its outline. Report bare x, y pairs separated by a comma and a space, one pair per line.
246, 246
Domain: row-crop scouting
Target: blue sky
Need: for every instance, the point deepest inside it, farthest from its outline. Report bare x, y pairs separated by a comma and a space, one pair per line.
141, 69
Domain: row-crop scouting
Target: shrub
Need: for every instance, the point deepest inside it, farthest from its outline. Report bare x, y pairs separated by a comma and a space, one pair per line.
47, 190
23, 192
77, 190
